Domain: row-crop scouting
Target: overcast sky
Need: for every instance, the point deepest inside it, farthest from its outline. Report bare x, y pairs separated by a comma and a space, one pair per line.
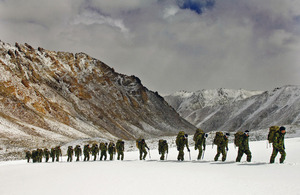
170, 45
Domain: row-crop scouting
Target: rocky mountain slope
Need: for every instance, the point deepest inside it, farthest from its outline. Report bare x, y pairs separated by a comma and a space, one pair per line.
232, 110
48, 98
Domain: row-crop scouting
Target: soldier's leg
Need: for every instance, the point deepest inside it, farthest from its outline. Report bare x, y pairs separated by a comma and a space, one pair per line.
283, 154
224, 154
274, 154
145, 154
141, 154
239, 156
105, 155
77, 159
181, 155
118, 156
200, 153
162, 157
249, 155
218, 153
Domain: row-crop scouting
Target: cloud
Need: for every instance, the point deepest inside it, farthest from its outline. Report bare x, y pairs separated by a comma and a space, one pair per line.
92, 17
169, 44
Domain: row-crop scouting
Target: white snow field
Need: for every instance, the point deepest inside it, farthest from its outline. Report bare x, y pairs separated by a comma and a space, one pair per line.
132, 176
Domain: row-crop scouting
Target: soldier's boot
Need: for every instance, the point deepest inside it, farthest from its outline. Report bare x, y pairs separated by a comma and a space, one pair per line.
272, 159
223, 158
95, 158
238, 159
217, 157
118, 158
122, 157
249, 157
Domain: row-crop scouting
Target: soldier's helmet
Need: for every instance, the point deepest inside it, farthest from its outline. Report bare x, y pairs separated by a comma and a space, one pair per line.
206, 135
143, 140
165, 141
227, 134
185, 135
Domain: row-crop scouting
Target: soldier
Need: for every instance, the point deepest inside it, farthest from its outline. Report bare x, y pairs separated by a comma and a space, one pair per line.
103, 148
200, 141
181, 141
278, 145
46, 154
70, 152
111, 150
52, 154
78, 152
86, 152
34, 156
222, 144
141, 144
95, 151
28, 155
58, 153
40, 154
120, 149
163, 148
244, 147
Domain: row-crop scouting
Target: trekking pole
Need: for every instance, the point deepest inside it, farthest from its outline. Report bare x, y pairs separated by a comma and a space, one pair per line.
149, 154
190, 155
167, 156
203, 154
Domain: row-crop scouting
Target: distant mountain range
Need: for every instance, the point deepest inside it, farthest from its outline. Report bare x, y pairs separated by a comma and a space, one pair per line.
49, 98
232, 110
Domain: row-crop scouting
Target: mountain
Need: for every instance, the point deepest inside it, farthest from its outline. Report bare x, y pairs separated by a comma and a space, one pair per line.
231, 110
49, 98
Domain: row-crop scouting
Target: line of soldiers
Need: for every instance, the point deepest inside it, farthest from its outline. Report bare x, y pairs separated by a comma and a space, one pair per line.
221, 140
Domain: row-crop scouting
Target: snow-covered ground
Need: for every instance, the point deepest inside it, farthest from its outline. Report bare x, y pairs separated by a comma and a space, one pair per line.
152, 176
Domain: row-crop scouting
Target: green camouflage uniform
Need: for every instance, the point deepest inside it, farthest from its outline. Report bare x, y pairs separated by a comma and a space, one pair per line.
120, 149
95, 151
278, 146
58, 153
111, 150
47, 154
142, 148
52, 154
28, 156
244, 148
40, 154
181, 141
86, 152
78, 152
103, 149
163, 148
221, 149
34, 156
70, 152
200, 141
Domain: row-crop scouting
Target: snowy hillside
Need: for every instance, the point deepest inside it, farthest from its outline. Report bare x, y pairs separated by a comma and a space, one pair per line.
187, 102
152, 176
256, 110
49, 98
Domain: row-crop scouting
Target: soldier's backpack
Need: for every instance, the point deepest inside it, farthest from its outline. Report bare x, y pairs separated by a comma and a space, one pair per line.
218, 138
102, 146
272, 132
120, 145
199, 134
238, 138
139, 143
180, 138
